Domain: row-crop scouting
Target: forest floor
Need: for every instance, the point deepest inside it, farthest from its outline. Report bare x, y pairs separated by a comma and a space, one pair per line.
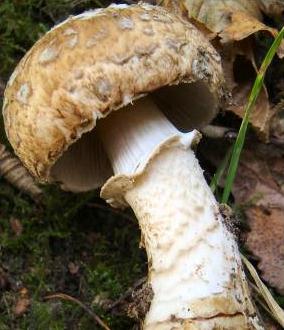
76, 245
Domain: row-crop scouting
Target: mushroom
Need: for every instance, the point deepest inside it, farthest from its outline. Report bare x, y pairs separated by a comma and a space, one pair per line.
99, 68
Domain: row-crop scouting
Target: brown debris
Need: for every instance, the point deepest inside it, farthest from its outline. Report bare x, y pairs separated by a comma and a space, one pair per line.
22, 303
141, 301
230, 220
277, 124
259, 186
73, 268
266, 241
21, 306
16, 226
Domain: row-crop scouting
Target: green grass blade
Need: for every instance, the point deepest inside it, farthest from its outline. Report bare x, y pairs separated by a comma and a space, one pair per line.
220, 171
238, 146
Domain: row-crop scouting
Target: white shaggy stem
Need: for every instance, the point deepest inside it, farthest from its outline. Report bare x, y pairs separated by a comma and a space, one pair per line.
194, 265
195, 269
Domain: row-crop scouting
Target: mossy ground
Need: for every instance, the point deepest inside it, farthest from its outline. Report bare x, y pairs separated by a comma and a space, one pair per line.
66, 244
64, 230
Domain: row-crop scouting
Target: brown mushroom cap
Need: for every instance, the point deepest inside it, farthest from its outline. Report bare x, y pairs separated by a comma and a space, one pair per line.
97, 62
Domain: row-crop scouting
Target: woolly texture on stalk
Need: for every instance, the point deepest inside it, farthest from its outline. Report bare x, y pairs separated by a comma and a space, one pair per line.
195, 269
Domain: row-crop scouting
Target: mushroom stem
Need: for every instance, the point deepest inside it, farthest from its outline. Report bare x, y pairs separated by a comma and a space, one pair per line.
195, 269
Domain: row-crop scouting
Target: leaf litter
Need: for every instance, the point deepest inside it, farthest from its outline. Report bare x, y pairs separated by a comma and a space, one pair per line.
232, 26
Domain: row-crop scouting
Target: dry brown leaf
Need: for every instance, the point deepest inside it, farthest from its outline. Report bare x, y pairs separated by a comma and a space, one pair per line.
262, 112
240, 72
277, 124
21, 306
266, 240
260, 187
234, 22
241, 26
216, 14
272, 8
16, 226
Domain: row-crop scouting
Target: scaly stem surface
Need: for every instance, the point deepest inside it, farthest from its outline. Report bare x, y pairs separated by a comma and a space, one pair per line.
195, 270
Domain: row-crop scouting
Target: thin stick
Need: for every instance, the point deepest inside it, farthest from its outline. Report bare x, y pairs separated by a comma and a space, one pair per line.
78, 302
275, 309
127, 293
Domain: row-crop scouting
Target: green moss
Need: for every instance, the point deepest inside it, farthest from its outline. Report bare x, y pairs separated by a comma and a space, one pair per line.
23, 22
65, 229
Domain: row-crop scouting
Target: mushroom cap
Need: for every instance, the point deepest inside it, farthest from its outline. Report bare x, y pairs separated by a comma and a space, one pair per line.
97, 62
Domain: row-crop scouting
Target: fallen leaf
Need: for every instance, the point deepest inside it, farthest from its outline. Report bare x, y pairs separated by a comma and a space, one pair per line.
242, 25
231, 20
215, 14
234, 22
277, 124
240, 71
273, 8
266, 241
261, 115
259, 187
21, 306
16, 226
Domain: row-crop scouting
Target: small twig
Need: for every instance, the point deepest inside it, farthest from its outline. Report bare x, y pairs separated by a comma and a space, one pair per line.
266, 295
260, 300
78, 302
218, 132
127, 294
